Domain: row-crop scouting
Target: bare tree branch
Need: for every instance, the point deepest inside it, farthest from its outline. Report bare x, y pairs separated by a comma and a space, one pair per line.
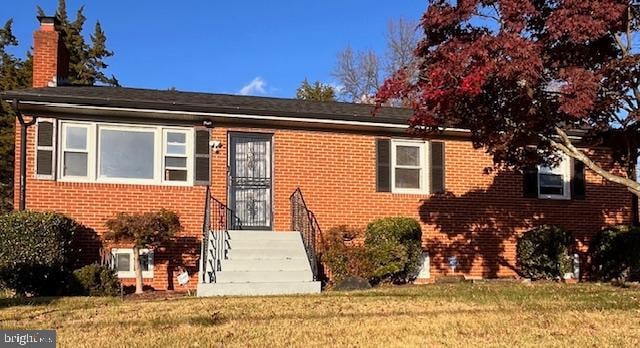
568, 148
359, 73
369, 68
346, 72
402, 39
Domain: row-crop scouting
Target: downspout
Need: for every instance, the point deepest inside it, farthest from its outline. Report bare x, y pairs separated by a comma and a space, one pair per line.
23, 152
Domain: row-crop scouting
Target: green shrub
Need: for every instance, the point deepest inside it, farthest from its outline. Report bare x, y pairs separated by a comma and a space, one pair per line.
393, 247
344, 260
615, 254
96, 280
544, 253
35, 251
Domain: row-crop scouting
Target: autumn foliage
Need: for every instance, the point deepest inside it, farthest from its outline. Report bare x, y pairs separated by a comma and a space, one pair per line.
142, 230
525, 72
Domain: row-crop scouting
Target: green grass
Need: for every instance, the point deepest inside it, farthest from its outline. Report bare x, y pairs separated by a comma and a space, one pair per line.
492, 314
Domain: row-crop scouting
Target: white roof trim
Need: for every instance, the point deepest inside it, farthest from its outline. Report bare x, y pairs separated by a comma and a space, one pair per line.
238, 116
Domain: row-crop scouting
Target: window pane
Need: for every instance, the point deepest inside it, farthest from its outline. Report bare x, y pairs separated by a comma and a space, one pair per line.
76, 138
548, 170
179, 162
407, 178
123, 262
176, 149
551, 184
551, 180
176, 137
144, 261
75, 164
408, 155
44, 162
547, 190
175, 175
126, 154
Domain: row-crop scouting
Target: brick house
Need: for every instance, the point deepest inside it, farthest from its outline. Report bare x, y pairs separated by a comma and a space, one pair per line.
235, 167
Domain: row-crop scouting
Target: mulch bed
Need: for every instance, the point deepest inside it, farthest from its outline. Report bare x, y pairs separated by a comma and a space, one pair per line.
157, 295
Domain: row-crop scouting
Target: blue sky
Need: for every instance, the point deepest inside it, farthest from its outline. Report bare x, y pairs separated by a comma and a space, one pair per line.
222, 46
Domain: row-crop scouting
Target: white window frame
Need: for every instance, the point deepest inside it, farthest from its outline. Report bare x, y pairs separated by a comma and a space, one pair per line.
424, 173
54, 165
93, 144
127, 128
132, 273
188, 154
90, 127
563, 168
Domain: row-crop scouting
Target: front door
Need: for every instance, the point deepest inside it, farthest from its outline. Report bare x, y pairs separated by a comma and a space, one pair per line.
250, 179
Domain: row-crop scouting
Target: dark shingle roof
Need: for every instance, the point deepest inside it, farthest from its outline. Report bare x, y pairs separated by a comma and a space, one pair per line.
120, 97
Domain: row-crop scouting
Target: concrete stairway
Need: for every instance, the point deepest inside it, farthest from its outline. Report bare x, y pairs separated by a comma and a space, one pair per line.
263, 263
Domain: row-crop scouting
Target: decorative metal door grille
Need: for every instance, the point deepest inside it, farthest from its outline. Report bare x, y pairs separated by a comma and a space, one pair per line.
250, 179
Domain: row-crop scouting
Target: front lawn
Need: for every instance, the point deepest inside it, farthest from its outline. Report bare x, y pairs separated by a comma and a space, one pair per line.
495, 314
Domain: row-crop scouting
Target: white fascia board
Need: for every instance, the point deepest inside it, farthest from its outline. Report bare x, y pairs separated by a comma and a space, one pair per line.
235, 116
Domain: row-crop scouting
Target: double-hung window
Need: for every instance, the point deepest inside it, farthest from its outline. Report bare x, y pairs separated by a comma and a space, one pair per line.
176, 158
108, 153
554, 182
409, 166
77, 143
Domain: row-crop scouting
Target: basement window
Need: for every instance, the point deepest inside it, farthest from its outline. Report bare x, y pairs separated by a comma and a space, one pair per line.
125, 154
123, 262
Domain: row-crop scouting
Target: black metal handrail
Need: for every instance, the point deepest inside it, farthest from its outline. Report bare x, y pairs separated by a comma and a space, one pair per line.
304, 221
205, 234
218, 220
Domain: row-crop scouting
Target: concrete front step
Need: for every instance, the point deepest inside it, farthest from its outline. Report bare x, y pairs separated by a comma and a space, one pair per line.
263, 263
263, 235
268, 244
242, 255
261, 254
257, 289
297, 264
263, 276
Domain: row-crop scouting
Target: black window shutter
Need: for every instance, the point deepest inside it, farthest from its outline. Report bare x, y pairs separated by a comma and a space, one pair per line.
530, 182
45, 149
202, 160
437, 168
578, 182
383, 165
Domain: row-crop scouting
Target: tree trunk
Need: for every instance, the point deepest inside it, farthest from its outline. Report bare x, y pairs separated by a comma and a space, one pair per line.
138, 269
633, 174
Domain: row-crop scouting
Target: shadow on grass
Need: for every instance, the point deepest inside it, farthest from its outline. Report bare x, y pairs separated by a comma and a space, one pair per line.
7, 302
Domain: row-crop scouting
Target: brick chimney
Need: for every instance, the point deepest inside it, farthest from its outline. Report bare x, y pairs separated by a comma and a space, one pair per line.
50, 55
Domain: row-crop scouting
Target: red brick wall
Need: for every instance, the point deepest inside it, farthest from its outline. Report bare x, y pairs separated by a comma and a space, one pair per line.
92, 204
477, 220
50, 58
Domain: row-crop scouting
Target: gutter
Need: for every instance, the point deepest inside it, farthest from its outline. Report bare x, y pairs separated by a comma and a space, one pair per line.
378, 124
23, 152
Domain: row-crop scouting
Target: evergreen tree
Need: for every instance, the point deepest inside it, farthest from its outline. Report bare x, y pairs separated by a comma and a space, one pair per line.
316, 91
86, 62
13, 75
86, 67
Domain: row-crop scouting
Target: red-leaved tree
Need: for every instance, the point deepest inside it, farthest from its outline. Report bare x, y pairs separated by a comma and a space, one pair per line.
525, 75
